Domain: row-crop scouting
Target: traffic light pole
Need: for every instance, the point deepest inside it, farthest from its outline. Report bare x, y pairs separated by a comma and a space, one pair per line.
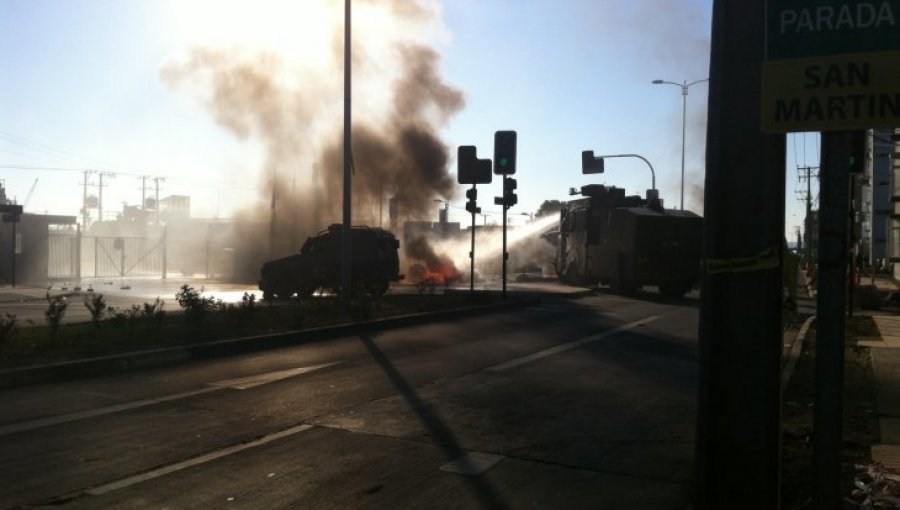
472, 253
505, 255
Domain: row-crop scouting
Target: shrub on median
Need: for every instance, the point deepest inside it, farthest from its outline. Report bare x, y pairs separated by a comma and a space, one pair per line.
96, 305
55, 312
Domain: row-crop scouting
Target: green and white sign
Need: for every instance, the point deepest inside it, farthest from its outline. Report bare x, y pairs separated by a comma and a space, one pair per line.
831, 65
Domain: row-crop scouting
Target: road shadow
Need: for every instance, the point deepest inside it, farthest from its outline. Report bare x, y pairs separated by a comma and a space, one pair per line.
691, 300
436, 427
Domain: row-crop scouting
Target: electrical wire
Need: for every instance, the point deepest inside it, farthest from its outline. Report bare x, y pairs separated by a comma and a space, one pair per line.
49, 150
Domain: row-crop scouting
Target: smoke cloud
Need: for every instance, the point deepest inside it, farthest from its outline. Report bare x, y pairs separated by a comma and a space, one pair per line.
402, 156
294, 112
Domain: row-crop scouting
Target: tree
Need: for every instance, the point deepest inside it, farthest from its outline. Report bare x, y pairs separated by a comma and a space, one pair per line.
549, 207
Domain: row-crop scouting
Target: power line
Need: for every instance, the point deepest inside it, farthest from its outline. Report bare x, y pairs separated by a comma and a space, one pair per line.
47, 168
794, 137
181, 182
48, 149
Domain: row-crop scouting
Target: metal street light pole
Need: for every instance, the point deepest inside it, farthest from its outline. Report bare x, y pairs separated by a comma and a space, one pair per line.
684, 92
346, 249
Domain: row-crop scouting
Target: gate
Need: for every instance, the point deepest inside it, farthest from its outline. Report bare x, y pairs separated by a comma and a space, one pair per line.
63, 255
119, 256
104, 256
75, 255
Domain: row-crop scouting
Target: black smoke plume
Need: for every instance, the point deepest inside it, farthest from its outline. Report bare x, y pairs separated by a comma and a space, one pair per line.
297, 119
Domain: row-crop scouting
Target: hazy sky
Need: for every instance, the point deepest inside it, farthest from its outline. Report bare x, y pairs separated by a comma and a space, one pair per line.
84, 87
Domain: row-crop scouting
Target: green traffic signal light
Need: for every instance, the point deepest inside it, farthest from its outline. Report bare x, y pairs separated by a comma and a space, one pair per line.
505, 152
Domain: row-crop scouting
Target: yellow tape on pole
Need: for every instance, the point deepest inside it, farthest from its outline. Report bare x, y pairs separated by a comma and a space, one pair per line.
767, 259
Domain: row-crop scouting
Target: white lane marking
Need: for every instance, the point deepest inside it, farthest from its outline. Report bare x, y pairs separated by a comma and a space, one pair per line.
156, 473
65, 418
569, 346
238, 384
472, 464
243, 383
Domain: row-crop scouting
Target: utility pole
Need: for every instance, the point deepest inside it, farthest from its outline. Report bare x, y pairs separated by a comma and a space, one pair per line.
740, 337
808, 177
808, 171
143, 179
85, 215
156, 181
100, 194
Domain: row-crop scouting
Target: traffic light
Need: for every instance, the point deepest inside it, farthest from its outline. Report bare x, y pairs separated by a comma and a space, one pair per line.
505, 152
472, 195
509, 192
590, 164
472, 170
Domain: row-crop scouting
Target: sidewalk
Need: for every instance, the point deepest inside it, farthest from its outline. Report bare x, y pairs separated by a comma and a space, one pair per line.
27, 293
884, 351
885, 354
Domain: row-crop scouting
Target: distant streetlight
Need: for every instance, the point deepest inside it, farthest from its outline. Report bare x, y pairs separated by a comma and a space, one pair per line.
684, 92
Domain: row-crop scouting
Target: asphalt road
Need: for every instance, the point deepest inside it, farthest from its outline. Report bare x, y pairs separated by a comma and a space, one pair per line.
586, 403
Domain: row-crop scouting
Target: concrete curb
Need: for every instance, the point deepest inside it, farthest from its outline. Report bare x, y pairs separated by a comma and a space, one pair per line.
125, 362
796, 349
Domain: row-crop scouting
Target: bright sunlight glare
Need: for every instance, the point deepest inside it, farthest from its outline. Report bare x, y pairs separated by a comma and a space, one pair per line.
301, 32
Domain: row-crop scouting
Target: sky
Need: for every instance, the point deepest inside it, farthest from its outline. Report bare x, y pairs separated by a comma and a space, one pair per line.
145, 88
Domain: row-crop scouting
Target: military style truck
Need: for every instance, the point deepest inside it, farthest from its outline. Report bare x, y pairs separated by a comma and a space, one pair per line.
374, 264
628, 242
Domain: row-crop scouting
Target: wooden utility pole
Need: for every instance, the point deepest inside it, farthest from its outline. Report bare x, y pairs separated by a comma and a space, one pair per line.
100, 194
808, 177
143, 179
156, 181
85, 214
737, 460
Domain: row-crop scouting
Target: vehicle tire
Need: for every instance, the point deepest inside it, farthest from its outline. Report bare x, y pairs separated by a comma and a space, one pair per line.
571, 277
624, 287
304, 292
283, 293
622, 284
674, 289
378, 288
268, 295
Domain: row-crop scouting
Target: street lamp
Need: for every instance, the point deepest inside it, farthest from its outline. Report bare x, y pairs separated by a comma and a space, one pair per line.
684, 92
